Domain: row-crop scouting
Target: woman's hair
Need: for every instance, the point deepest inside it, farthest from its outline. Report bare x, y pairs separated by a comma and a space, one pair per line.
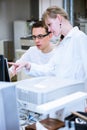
53, 11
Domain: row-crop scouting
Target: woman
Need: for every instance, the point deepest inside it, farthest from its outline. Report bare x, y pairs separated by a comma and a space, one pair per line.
69, 60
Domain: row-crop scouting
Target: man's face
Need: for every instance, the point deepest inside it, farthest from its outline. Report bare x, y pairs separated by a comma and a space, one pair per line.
43, 42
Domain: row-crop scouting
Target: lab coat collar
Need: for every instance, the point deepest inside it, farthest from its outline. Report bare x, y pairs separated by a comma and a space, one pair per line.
72, 32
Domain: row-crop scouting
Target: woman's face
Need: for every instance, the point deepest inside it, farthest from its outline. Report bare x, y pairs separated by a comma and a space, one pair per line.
53, 25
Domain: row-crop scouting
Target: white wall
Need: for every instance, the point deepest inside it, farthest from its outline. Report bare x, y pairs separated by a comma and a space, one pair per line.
43, 4
11, 10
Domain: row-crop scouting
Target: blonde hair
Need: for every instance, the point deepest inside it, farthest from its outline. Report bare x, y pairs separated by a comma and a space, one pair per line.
53, 11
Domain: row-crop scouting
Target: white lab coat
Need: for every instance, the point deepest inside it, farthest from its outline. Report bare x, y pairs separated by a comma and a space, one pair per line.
33, 54
70, 59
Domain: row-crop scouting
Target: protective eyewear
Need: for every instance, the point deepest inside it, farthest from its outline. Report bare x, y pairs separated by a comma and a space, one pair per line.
40, 36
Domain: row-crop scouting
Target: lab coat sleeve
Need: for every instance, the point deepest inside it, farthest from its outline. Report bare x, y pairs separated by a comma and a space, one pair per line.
25, 57
83, 52
41, 70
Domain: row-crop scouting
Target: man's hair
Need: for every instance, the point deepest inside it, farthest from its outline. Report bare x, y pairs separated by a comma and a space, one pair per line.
39, 24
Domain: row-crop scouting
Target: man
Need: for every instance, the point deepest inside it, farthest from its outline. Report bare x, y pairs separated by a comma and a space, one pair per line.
41, 52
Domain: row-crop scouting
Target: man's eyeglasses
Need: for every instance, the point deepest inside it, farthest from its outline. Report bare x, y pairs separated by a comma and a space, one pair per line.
40, 36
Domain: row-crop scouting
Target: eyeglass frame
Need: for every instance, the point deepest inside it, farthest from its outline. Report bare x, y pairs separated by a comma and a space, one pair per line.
40, 36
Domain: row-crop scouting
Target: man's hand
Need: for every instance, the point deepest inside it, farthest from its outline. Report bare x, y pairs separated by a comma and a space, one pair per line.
18, 66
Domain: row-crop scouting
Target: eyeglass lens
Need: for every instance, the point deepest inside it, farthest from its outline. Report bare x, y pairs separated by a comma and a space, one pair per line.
40, 36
